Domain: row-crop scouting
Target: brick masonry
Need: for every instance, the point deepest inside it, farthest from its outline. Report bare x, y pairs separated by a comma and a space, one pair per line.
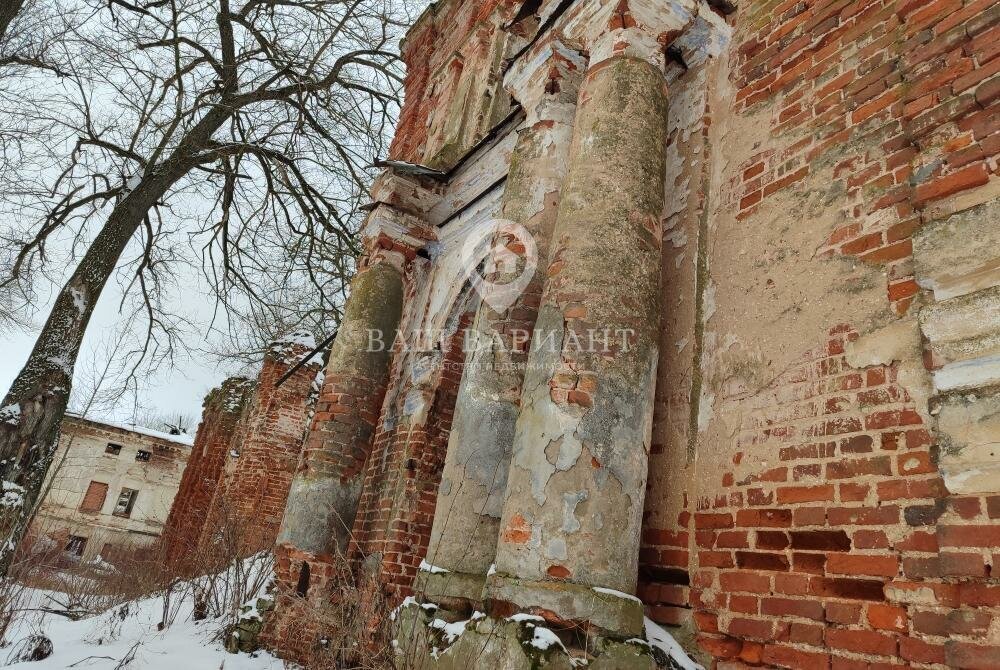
259, 471
826, 537
233, 493
393, 526
797, 514
222, 412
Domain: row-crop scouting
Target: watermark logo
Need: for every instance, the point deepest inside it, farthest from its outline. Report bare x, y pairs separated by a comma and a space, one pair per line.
501, 259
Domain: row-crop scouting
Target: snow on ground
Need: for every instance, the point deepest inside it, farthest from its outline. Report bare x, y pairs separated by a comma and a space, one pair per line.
102, 642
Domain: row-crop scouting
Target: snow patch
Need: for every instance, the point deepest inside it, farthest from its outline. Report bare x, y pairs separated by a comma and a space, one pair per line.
433, 569
63, 362
79, 301
666, 643
521, 617
13, 494
289, 348
544, 638
89, 643
452, 631
300, 337
184, 439
10, 414
407, 602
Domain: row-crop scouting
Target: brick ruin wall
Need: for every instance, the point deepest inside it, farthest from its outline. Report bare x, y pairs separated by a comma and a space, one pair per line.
798, 513
811, 502
233, 492
222, 412
254, 487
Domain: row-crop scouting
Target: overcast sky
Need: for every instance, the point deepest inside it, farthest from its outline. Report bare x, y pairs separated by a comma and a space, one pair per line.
181, 389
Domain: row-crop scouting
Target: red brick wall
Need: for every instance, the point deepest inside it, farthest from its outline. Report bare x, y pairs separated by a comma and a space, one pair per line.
402, 478
830, 539
411, 131
295, 626
251, 496
222, 412
912, 83
430, 45
827, 538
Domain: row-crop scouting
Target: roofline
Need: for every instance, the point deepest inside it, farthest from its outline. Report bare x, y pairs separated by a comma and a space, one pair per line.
138, 433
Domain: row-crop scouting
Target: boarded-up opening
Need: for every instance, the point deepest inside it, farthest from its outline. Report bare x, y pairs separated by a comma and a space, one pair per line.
93, 499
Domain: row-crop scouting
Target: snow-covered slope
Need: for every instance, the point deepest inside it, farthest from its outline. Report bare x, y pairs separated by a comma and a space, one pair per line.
103, 642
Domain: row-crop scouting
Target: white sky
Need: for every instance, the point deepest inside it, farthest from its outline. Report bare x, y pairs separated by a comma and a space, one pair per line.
169, 391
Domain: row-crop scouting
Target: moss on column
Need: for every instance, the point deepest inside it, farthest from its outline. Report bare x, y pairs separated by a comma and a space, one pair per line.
574, 500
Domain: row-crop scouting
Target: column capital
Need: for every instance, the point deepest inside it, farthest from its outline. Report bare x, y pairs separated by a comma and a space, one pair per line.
412, 189
639, 28
394, 235
396, 227
546, 81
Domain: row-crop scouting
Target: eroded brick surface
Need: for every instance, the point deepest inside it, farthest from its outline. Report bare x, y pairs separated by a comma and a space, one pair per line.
221, 415
817, 530
233, 493
821, 490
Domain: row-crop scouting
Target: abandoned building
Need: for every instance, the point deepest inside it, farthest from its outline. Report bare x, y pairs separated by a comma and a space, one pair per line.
730, 359
110, 489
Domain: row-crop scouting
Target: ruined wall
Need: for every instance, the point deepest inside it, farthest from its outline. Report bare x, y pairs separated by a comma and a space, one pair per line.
222, 412
234, 489
822, 486
249, 500
454, 93
818, 497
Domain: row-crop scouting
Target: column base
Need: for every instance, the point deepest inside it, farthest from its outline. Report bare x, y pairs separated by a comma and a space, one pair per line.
452, 589
613, 614
423, 641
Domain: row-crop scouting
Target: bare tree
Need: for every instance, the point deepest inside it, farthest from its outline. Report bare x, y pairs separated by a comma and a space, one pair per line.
32, 33
176, 423
234, 130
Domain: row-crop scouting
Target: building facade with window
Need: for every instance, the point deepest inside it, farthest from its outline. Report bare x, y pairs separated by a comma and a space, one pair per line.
111, 488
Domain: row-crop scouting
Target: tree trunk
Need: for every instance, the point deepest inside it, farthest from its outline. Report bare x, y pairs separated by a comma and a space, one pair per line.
33, 409
31, 413
8, 10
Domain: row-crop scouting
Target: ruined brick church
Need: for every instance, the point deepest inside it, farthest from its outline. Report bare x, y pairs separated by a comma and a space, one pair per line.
730, 361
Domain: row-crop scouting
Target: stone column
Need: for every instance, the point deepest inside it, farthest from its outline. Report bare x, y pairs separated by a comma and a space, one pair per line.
327, 486
467, 517
569, 539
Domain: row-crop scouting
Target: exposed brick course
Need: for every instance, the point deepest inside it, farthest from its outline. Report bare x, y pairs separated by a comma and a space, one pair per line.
813, 525
237, 479
222, 413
